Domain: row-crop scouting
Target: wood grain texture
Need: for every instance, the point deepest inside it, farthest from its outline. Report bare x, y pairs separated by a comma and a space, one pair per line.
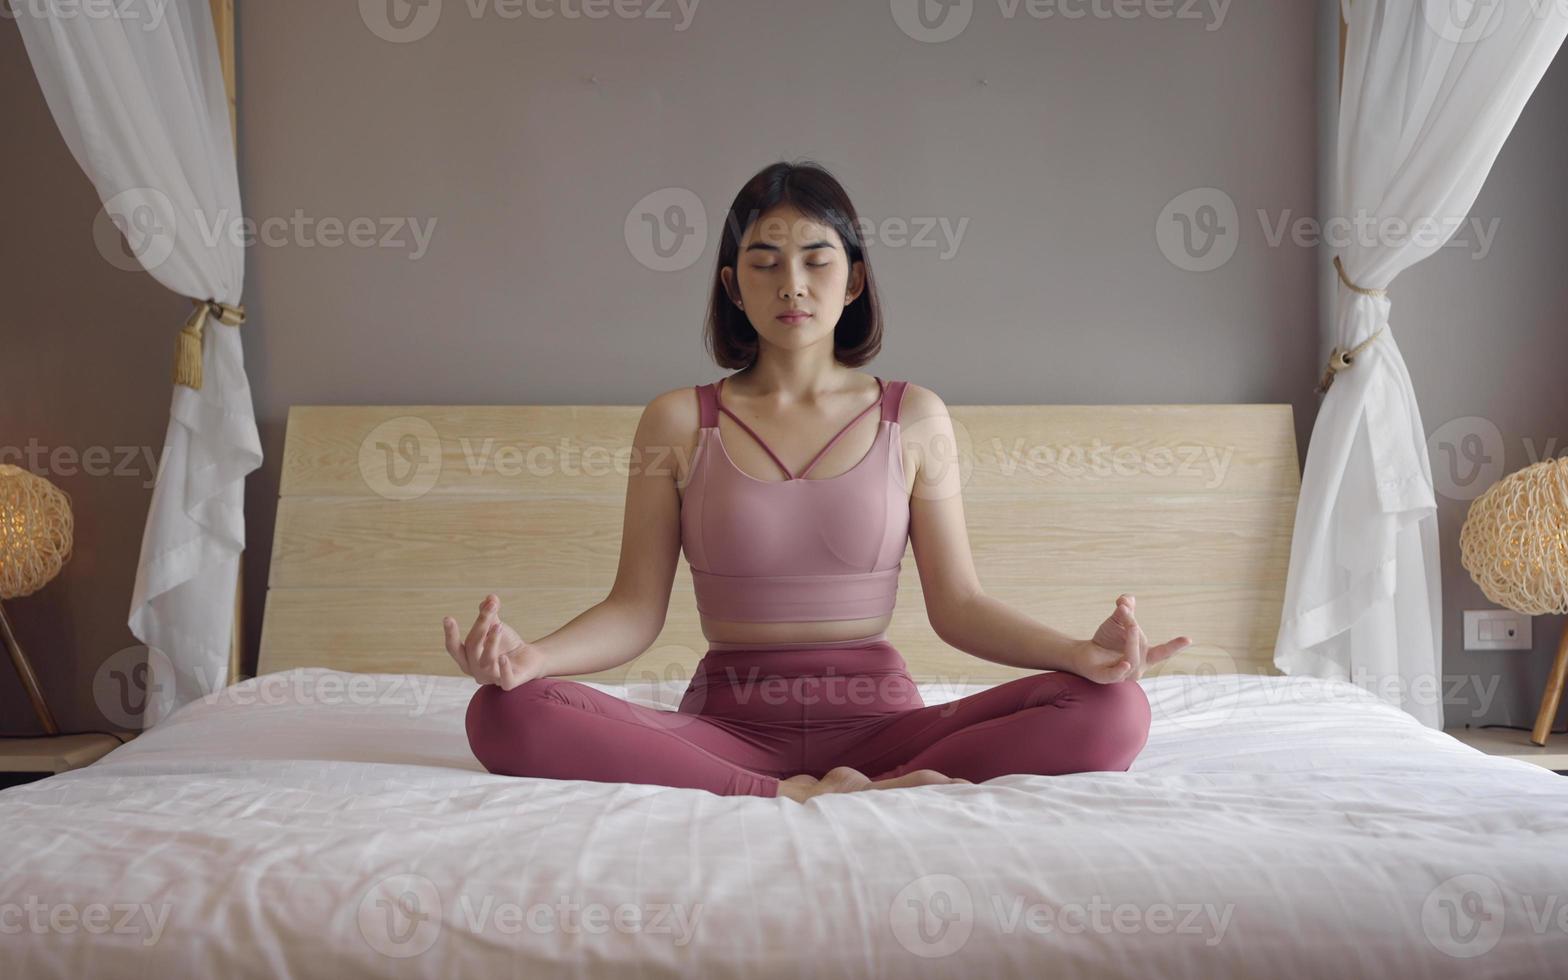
391, 517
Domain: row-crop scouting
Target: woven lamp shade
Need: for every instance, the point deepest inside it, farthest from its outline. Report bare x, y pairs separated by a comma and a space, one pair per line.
1514, 542
35, 531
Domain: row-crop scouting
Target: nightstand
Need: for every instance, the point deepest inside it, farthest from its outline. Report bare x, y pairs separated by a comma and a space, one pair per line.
1514, 744
24, 760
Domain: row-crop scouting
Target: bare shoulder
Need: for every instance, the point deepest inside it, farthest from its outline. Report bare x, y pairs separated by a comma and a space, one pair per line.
920, 404
670, 418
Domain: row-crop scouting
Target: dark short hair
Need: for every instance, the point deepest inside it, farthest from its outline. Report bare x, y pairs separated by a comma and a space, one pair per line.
813, 191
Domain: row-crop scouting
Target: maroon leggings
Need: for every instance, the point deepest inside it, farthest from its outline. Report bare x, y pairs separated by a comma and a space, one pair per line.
750, 717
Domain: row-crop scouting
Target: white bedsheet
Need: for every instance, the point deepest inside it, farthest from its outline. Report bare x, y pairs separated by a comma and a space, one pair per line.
323, 824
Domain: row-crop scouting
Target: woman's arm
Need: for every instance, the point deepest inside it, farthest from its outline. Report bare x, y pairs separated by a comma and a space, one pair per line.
960, 612
618, 628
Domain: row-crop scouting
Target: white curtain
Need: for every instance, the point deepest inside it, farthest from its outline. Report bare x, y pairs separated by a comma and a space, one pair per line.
137, 90
1431, 90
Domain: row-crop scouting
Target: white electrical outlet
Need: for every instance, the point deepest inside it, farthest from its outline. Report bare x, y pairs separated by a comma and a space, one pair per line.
1497, 629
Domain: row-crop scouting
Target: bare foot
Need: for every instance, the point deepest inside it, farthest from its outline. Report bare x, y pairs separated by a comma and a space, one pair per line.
846, 780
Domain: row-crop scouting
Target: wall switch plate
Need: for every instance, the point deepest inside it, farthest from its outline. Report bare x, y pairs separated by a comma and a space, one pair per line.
1497, 629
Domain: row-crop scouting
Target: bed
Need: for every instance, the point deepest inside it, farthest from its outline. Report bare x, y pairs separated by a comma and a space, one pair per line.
325, 817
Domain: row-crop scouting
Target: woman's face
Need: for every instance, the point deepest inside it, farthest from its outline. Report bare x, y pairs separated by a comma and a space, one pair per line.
789, 262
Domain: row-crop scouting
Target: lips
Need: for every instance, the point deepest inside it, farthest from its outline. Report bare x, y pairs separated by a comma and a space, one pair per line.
794, 317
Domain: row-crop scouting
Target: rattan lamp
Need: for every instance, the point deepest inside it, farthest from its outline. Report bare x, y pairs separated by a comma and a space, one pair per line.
1514, 544
35, 542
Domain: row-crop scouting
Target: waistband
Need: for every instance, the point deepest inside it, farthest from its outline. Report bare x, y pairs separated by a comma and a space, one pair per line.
866, 656
859, 641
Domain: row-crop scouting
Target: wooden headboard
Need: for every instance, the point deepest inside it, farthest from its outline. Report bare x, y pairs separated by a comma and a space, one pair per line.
391, 517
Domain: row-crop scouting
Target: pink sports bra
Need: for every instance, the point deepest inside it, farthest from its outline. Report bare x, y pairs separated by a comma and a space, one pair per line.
795, 550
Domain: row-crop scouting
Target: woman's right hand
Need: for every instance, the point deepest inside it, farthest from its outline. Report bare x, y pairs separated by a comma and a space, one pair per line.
493, 653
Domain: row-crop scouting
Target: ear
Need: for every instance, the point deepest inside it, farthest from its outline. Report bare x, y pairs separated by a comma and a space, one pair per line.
857, 282
727, 277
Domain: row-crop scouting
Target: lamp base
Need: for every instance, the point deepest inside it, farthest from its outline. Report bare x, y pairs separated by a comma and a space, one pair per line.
1553, 694
24, 670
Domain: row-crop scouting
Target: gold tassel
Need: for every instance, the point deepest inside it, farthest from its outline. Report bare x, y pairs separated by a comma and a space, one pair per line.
188, 346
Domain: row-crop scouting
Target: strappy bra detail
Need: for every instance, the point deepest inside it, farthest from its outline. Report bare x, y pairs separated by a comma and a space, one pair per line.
797, 549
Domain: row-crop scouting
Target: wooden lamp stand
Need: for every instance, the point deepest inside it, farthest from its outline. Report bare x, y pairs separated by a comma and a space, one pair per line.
1553, 694
30, 680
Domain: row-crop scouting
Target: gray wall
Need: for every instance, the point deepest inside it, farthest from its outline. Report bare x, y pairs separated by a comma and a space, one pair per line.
1484, 331
1053, 144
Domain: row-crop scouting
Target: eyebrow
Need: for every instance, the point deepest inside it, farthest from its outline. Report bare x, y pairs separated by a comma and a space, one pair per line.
765, 247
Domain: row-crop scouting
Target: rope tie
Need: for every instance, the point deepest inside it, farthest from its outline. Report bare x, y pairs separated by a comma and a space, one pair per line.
1340, 359
187, 350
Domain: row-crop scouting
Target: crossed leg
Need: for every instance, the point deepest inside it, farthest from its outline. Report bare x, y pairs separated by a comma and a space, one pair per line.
560, 729
1047, 724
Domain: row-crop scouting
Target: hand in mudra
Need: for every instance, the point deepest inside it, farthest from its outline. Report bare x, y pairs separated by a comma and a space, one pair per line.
493, 653
1119, 651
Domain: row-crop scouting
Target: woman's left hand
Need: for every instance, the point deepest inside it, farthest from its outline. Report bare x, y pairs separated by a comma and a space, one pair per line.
1119, 651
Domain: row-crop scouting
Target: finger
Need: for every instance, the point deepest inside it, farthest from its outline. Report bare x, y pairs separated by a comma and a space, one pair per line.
486, 660
454, 647
476, 635
1124, 614
510, 675
1168, 649
1129, 654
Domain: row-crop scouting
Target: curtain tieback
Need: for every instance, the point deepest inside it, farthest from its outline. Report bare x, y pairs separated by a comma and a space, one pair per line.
187, 351
1340, 358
